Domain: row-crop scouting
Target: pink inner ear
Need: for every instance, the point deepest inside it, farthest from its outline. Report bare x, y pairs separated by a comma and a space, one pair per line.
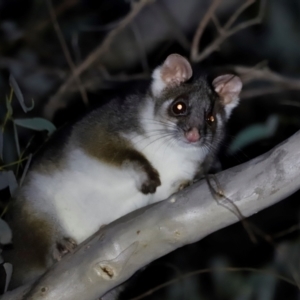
228, 87
175, 70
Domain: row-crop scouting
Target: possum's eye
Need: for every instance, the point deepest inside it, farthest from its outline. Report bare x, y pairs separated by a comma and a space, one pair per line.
179, 107
210, 119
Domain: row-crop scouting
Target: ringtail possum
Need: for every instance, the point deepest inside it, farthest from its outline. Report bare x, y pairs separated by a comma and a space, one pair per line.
124, 155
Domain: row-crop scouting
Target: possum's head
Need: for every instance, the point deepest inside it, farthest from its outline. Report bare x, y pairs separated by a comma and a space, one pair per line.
192, 110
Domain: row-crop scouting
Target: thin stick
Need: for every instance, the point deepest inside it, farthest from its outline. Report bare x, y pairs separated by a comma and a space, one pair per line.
202, 25
66, 51
226, 32
101, 49
286, 231
237, 13
249, 74
217, 24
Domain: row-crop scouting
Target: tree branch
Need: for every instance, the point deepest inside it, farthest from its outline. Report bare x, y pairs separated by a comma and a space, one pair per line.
251, 74
226, 31
202, 25
66, 51
118, 250
55, 101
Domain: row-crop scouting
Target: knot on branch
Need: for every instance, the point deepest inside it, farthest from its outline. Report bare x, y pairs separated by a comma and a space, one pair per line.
106, 271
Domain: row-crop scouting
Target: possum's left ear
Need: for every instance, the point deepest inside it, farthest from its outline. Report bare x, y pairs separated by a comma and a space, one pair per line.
228, 87
175, 70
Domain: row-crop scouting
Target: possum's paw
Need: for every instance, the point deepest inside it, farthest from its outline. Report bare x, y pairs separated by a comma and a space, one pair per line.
151, 183
64, 246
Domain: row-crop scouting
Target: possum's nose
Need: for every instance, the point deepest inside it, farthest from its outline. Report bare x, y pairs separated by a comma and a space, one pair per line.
192, 135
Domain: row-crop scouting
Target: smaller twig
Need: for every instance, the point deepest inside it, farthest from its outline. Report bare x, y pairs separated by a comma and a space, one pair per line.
55, 101
250, 74
287, 231
279, 82
237, 13
66, 51
107, 42
8, 112
245, 25
259, 92
23, 153
13, 163
226, 32
217, 24
202, 25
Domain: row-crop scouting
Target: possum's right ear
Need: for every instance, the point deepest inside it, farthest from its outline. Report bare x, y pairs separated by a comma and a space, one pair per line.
175, 70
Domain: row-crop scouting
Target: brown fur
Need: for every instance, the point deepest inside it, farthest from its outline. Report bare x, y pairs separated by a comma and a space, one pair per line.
115, 150
27, 254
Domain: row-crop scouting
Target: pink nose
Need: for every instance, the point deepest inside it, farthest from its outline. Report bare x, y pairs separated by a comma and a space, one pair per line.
192, 135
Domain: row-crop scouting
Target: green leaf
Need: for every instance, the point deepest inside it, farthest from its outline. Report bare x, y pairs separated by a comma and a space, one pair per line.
8, 179
16, 139
8, 270
19, 94
5, 233
38, 124
253, 134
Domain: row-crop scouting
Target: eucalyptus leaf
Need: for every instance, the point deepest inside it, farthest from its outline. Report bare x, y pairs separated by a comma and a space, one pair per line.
19, 95
17, 139
3, 180
8, 270
5, 233
12, 182
253, 134
38, 124
8, 179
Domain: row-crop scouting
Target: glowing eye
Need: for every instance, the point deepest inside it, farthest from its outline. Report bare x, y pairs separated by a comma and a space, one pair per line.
210, 119
179, 108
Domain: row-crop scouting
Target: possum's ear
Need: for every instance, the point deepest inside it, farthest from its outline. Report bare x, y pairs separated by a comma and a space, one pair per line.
228, 87
175, 70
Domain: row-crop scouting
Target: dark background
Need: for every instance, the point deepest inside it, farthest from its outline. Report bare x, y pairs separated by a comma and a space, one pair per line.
31, 52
